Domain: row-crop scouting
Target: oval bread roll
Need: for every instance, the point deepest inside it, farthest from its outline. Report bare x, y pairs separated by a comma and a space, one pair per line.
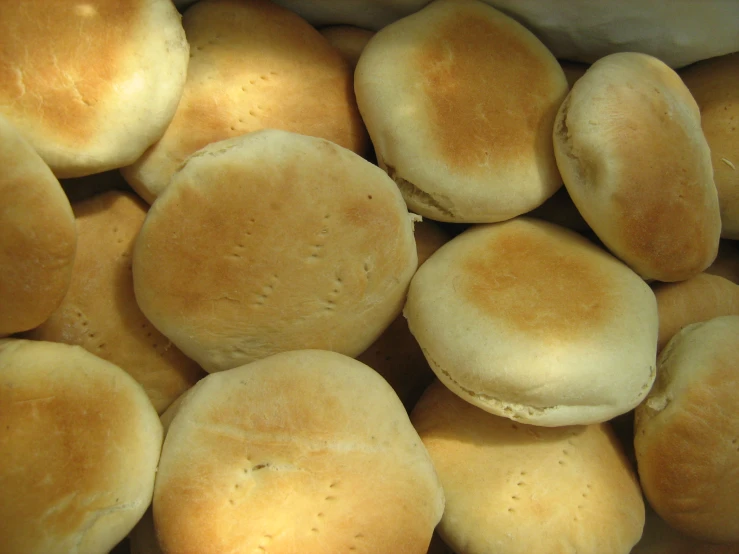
79, 446
304, 451
38, 239
459, 100
635, 162
274, 241
91, 84
516, 489
532, 322
687, 432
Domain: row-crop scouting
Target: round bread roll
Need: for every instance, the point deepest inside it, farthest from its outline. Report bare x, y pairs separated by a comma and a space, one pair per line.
348, 40
274, 241
635, 161
100, 312
368, 14
700, 298
531, 321
305, 451
687, 432
512, 488
395, 354
37, 238
660, 538
91, 84
459, 101
253, 66
79, 446
714, 84
678, 32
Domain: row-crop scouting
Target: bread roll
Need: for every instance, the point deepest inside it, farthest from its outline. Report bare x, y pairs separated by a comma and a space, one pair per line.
516, 489
348, 40
79, 446
459, 101
99, 312
687, 432
91, 84
304, 451
714, 84
37, 238
700, 298
635, 161
253, 66
395, 354
274, 241
532, 322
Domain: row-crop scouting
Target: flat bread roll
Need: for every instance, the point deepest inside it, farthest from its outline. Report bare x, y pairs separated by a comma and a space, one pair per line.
714, 84
79, 446
687, 432
253, 66
37, 238
348, 40
274, 241
512, 488
533, 322
459, 100
697, 299
635, 161
660, 538
304, 451
395, 354
99, 311
91, 84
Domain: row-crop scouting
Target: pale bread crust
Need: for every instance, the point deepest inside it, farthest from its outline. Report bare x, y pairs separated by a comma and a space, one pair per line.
531, 321
99, 311
459, 101
697, 299
513, 488
348, 40
635, 162
294, 80
92, 85
304, 452
395, 354
80, 443
38, 239
687, 432
274, 241
714, 84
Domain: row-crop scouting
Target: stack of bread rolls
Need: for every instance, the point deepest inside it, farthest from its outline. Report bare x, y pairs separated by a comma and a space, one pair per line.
376, 276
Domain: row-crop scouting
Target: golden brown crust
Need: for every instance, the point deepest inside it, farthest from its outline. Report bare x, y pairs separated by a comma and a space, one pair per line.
294, 81
687, 432
99, 311
79, 441
713, 83
522, 318
69, 75
697, 299
527, 489
303, 452
274, 241
459, 100
38, 238
636, 164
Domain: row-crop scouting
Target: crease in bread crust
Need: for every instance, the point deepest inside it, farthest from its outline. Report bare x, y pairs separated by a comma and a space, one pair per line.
415, 196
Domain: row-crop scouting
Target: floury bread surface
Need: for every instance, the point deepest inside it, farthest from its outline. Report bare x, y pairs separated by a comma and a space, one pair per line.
79, 446
270, 242
459, 100
91, 84
304, 452
636, 163
533, 322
